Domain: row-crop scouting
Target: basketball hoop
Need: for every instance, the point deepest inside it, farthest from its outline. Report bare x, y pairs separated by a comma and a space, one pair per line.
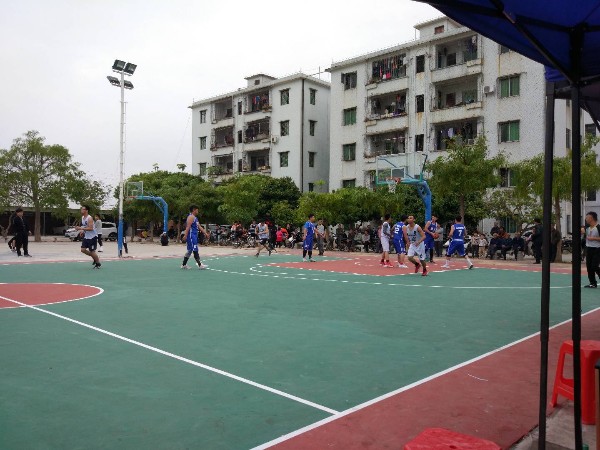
392, 183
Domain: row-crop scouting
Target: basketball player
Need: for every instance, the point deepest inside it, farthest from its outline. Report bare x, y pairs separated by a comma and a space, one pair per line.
415, 236
399, 242
430, 231
457, 245
90, 238
262, 230
308, 231
191, 237
385, 234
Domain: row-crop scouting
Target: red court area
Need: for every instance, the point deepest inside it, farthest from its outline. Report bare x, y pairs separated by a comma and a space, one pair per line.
16, 295
364, 265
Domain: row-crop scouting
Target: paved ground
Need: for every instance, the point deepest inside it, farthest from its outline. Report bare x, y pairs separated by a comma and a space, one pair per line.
59, 249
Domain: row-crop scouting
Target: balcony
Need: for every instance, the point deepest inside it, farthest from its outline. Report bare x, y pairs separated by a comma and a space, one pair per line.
258, 102
463, 131
256, 161
222, 137
222, 111
385, 144
456, 59
257, 131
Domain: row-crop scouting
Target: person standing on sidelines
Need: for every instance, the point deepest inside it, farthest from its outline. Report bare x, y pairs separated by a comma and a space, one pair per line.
536, 239
262, 231
430, 230
321, 236
192, 226
457, 245
399, 242
385, 234
98, 226
308, 233
90, 239
21, 230
592, 243
414, 235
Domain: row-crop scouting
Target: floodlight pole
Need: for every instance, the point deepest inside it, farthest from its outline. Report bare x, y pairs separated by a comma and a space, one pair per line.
121, 157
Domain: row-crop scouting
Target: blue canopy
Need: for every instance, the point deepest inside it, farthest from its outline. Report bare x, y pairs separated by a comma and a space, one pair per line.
564, 35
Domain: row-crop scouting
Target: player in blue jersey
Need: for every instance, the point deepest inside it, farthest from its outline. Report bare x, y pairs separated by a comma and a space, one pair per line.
430, 235
190, 235
308, 231
399, 242
457, 244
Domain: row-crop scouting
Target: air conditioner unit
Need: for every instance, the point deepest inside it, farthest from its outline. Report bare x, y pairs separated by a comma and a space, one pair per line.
274, 139
488, 90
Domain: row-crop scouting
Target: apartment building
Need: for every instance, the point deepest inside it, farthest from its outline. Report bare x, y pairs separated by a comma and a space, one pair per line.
401, 104
273, 126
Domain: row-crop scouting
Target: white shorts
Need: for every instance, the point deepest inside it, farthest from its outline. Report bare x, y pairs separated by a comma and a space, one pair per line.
385, 244
417, 250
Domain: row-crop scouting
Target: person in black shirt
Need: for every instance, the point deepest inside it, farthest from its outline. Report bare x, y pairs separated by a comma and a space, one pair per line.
21, 230
536, 239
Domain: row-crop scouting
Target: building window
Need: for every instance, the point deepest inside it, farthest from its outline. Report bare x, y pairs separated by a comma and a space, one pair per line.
285, 96
311, 187
240, 136
590, 128
349, 183
202, 169
510, 87
203, 143
420, 63
311, 159
420, 100
349, 152
349, 116
349, 80
419, 142
438, 30
239, 108
568, 138
451, 59
509, 131
311, 127
590, 196
507, 178
312, 96
203, 116
283, 159
284, 127
504, 49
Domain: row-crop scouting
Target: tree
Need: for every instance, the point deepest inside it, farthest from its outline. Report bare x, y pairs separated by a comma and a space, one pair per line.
181, 167
505, 203
45, 176
467, 169
241, 198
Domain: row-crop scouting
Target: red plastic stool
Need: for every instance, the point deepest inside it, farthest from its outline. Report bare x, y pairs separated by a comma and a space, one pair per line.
442, 439
590, 352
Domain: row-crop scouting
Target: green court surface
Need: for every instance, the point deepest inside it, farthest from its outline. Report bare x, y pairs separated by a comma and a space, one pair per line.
305, 344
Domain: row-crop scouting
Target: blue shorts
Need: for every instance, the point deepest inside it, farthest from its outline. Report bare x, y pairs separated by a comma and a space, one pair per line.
399, 247
308, 244
456, 246
429, 243
192, 244
90, 244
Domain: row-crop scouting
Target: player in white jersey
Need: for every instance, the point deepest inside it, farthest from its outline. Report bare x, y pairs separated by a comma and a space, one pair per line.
262, 231
90, 238
385, 234
415, 236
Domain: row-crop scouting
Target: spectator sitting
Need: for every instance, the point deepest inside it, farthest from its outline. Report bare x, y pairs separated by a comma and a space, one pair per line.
495, 245
506, 245
483, 244
279, 237
366, 240
518, 244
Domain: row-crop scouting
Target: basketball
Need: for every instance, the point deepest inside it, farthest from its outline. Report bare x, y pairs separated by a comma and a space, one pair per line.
435, 235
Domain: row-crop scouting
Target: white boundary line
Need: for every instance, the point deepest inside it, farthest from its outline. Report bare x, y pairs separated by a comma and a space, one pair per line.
100, 291
402, 389
180, 358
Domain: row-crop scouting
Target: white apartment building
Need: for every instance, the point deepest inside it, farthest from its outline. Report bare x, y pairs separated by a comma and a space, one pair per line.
274, 126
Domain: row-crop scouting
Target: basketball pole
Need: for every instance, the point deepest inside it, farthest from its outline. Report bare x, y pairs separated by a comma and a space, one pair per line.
121, 157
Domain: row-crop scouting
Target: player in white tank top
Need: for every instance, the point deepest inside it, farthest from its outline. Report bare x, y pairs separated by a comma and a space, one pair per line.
415, 236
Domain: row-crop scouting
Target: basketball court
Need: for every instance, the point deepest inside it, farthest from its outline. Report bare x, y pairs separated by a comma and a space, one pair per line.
271, 352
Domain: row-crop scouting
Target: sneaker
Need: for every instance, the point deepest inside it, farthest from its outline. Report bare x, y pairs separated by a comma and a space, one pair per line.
592, 286
388, 264
403, 266
446, 266
303, 259
185, 267
381, 263
311, 260
100, 249
269, 252
202, 266
97, 265
417, 267
470, 266
256, 255
27, 255
425, 273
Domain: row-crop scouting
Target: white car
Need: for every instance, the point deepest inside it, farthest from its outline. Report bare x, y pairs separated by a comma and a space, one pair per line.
109, 232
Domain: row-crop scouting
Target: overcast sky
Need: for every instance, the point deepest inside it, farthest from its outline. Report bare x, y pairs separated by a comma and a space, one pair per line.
56, 56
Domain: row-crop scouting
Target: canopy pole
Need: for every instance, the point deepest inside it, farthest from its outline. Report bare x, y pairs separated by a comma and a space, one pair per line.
545, 294
576, 276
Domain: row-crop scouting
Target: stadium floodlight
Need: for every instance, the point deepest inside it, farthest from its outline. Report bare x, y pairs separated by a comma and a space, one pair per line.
123, 69
129, 68
118, 65
114, 81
